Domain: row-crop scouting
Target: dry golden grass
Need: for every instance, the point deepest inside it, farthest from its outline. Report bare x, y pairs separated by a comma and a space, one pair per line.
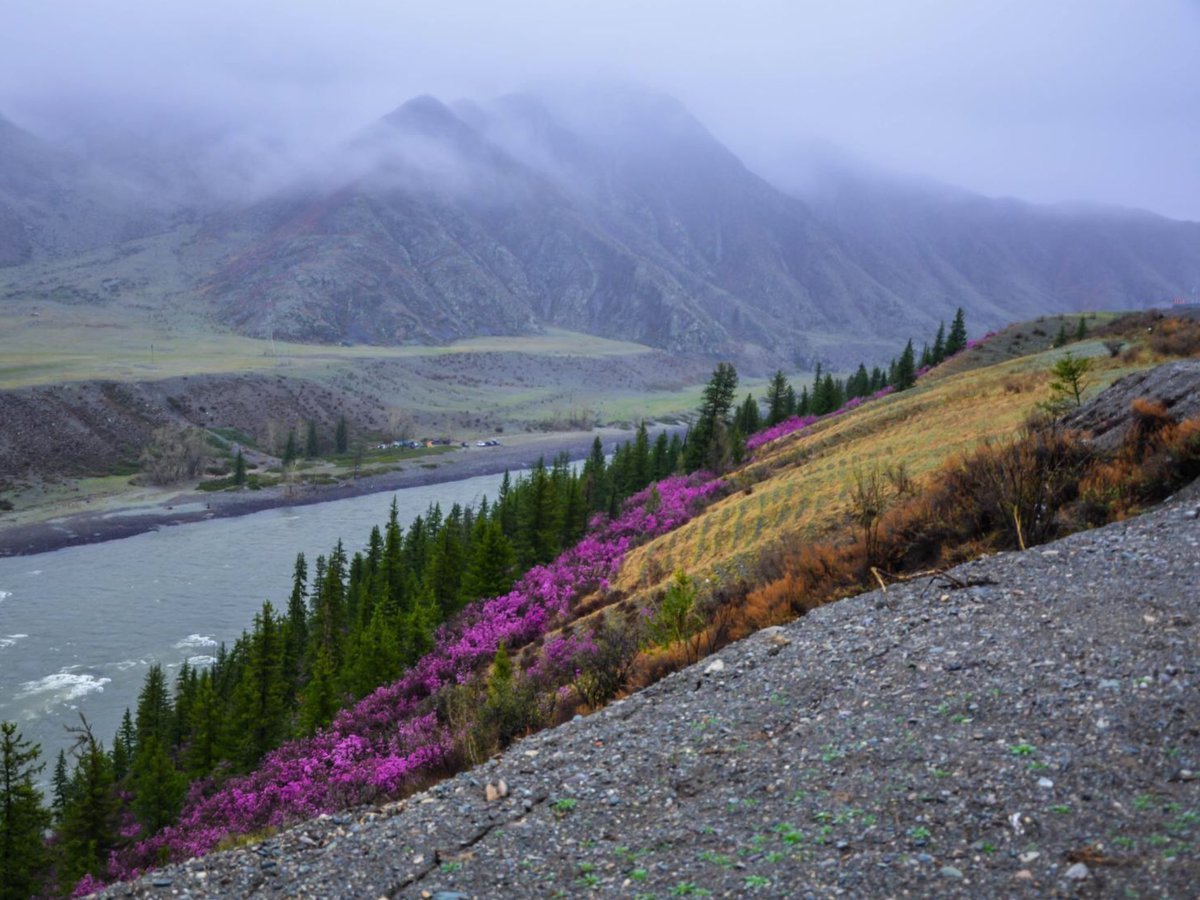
801, 484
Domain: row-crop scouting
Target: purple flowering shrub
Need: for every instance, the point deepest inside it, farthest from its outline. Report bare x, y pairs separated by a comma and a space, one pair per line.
392, 739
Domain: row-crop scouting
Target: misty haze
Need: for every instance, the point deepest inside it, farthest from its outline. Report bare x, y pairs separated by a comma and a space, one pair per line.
652, 449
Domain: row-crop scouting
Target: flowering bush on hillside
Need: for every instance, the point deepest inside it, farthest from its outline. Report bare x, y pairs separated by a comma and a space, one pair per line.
391, 738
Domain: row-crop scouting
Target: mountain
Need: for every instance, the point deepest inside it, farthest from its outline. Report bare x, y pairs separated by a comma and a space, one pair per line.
939, 244
53, 203
619, 214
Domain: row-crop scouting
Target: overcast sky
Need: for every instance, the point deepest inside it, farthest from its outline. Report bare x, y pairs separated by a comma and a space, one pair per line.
1095, 100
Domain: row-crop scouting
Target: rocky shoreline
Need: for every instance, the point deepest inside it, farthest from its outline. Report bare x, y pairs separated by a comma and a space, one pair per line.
116, 521
1028, 729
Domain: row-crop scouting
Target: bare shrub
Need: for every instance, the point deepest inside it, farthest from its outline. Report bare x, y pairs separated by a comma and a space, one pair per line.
175, 453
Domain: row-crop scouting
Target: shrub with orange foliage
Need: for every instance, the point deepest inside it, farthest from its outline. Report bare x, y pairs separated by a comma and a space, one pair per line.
1176, 336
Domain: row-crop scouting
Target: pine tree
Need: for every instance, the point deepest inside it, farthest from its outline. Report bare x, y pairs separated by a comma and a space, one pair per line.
776, 399
312, 448
259, 709
239, 469
660, 457
804, 404
155, 714
157, 787
938, 353
290, 450
123, 745
957, 338
318, 702
207, 744
639, 460
595, 482
341, 437
708, 445
23, 818
443, 574
748, 419
60, 786
89, 825
491, 570
905, 369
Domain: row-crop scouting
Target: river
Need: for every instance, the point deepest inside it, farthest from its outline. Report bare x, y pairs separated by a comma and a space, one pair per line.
80, 626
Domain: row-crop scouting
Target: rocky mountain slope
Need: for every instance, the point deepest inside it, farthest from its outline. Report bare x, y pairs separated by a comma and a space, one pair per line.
618, 214
1026, 725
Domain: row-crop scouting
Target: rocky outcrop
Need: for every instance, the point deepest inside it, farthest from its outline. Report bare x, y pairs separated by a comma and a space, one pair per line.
1109, 416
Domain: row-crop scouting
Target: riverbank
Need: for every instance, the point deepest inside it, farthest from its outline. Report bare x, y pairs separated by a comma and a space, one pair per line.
123, 515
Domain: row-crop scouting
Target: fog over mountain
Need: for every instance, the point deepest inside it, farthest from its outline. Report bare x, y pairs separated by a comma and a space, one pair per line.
612, 211
789, 183
1079, 100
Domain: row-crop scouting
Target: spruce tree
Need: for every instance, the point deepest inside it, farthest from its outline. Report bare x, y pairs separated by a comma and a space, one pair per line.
158, 787
123, 744
155, 714
905, 369
595, 482
239, 469
708, 444
259, 708
206, 746
1081, 331
639, 461
776, 399
938, 353
491, 570
23, 818
341, 436
957, 339
748, 419
89, 826
660, 457
312, 448
318, 702
290, 450
60, 785
1060, 339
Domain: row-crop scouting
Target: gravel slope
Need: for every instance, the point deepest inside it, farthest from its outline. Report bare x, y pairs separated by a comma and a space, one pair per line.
1034, 734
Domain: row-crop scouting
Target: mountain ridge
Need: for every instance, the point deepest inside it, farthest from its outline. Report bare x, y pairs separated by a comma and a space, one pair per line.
626, 218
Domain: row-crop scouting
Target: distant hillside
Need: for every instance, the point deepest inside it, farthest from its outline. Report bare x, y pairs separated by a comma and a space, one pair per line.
55, 204
617, 214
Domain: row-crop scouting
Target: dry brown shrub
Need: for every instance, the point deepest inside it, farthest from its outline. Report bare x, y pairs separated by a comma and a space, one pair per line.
1150, 417
771, 604
1176, 336
653, 665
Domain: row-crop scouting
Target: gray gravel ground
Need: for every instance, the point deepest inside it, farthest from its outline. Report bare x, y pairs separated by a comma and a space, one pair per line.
1034, 734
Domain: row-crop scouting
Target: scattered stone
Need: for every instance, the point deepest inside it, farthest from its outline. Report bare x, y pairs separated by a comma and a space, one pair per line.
1045, 783
951, 872
714, 668
1078, 872
494, 792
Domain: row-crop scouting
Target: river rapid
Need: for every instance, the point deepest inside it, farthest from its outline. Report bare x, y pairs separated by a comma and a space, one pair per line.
80, 626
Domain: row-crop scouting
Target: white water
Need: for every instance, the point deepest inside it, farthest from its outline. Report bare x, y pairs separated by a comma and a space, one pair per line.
80, 626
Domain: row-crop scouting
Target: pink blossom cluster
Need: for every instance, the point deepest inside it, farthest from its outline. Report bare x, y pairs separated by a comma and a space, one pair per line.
377, 747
